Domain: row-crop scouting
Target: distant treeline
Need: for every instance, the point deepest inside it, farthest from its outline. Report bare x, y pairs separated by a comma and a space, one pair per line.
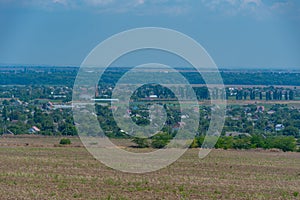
34, 78
253, 142
67, 77
226, 142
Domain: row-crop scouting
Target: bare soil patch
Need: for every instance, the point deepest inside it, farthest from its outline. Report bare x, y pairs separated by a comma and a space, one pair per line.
47, 172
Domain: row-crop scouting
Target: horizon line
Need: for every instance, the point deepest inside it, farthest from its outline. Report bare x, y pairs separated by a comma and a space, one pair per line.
219, 67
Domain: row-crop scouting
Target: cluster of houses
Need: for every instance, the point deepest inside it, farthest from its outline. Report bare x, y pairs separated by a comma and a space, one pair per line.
253, 117
17, 106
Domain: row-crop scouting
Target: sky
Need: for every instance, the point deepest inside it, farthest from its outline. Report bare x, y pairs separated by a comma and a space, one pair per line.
236, 33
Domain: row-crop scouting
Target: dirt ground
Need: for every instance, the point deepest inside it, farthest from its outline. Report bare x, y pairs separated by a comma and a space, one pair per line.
38, 168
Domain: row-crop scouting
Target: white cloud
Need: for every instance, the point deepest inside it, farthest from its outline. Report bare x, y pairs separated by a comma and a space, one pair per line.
238, 5
99, 2
256, 8
59, 1
140, 7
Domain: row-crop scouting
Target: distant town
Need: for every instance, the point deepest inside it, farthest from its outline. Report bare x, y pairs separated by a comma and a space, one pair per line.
38, 100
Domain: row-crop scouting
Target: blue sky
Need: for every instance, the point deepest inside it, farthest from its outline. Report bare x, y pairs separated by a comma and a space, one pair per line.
236, 33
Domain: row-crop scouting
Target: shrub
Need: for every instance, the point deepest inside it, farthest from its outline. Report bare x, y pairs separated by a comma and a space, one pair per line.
160, 140
194, 144
65, 141
157, 143
285, 143
141, 142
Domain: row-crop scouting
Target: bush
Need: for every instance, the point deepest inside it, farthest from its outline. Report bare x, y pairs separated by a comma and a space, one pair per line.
283, 143
242, 143
141, 142
160, 140
225, 143
194, 144
65, 141
157, 143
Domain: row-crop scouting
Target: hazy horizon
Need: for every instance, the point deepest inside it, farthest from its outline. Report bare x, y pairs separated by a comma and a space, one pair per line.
284, 68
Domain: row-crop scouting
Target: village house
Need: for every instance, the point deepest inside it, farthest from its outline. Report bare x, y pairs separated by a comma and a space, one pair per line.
34, 129
279, 127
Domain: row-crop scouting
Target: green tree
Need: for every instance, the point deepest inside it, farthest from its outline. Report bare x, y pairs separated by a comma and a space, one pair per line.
291, 131
257, 141
65, 141
281, 142
225, 143
285, 143
160, 140
141, 142
5, 113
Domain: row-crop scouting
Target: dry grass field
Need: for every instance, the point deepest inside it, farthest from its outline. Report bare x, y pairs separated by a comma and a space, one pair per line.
35, 168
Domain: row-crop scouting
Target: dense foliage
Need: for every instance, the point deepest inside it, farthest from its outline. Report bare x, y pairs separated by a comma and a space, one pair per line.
38, 101
254, 141
66, 76
65, 141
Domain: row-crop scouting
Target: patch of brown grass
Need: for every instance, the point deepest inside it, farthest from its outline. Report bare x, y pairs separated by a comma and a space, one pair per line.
72, 173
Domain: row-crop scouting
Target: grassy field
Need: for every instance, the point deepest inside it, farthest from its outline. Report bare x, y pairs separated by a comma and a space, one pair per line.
36, 168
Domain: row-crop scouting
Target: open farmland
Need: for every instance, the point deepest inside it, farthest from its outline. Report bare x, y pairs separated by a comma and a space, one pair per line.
42, 171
